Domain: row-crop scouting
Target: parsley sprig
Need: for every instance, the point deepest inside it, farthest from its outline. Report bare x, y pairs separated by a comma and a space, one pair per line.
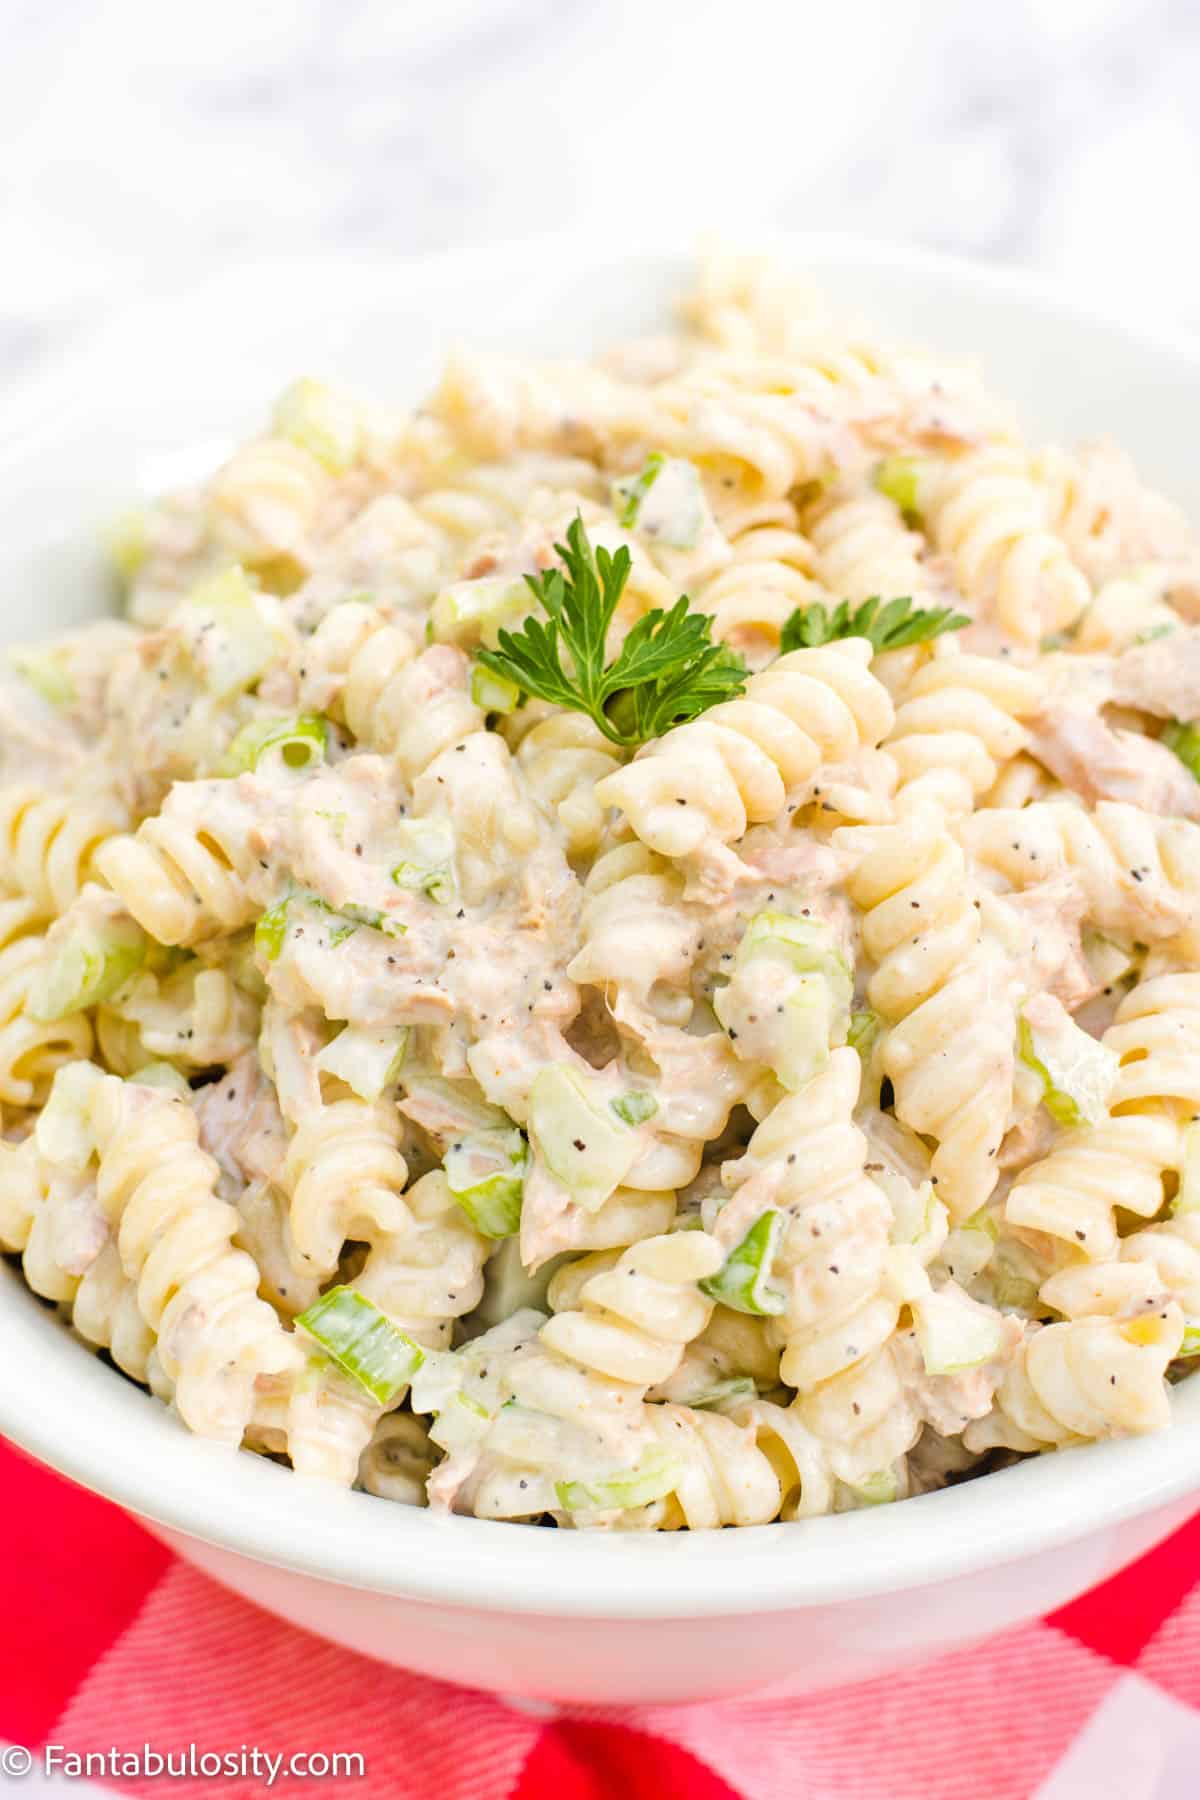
668, 669
889, 626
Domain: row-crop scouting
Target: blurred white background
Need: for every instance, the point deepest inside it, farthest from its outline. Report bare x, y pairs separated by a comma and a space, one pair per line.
146, 143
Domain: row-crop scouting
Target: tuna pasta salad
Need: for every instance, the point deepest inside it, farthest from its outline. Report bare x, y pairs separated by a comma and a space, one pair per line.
623, 949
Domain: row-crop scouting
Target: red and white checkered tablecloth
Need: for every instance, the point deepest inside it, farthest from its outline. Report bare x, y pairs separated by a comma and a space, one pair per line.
111, 1642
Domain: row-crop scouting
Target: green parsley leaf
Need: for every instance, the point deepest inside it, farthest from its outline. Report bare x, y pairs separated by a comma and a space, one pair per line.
890, 625
668, 669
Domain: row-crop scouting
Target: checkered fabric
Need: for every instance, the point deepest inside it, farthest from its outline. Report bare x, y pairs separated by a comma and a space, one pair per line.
113, 1641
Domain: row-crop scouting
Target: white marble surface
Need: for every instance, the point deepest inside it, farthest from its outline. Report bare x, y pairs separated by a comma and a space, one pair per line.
146, 142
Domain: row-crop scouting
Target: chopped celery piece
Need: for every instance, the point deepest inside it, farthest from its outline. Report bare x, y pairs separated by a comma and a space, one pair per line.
806, 945
474, 612
954, 1334
664, 500
582, 1143
127, 541
162, 1075
1107, 962
789, 995
635, 1107
1149, 633
914, 1211
862, 1033
244, 645
428, 858
363, 1342
367, 1061
486, 1175
271, 929
491, 693
1191, 1341
1188, 1197
87, 966
741, 1282
47, 673
322, 421
1010, 1288
63, 1132
627, 496
300, 742
724, 1393
879, 1489
1077, 1071
1184, 740
652, 1480
362, 915
899, 477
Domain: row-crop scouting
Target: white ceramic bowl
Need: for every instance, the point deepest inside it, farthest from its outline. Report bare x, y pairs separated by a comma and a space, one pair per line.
561, 1615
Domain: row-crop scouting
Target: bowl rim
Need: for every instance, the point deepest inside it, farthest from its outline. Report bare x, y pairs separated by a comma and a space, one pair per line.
67, 1410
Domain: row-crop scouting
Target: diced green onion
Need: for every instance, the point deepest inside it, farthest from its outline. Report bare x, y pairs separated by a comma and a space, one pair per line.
367, 1061
723, 1393
652, 1480
741, 1282
300, 742
1191, 1341
1184, 740
472, 613
1187, 1199
879, 1489
1149, 633
862, 1033
583, 1144
809, 1002
899, 477
1076, 1070
245, 644
635, 1107
364, 915
665, 501
162, 1075
271, 930
322, 421
492, 693
428, 864
954, 1334
47, 673
486, 1175
87, 966
1107, 962
628, 495
363, 1342
127, 541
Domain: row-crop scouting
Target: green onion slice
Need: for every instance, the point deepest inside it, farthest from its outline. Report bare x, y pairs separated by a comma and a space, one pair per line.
300, 742
741, 1282
363, 1342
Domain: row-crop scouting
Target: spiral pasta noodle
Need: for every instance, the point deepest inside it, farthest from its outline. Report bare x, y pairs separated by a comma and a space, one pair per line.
31, 1050
1140, 875
47, 843
1072, 1194
701, 785
949, 1053
958, 725
990, 517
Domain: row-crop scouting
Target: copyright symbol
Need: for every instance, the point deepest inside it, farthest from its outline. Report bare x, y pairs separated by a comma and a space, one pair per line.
15, 1760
